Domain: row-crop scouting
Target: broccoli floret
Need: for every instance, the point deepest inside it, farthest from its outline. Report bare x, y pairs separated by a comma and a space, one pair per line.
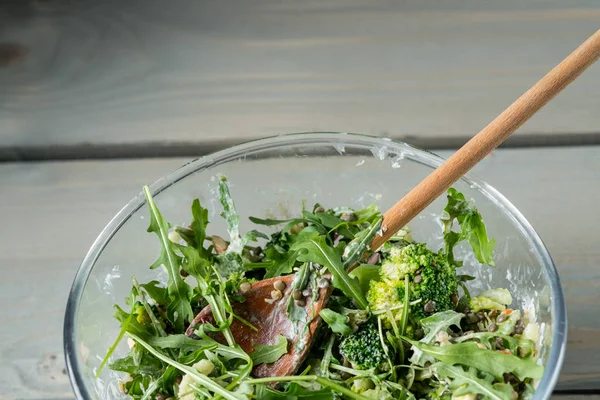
363, 348
405, 260
433, 283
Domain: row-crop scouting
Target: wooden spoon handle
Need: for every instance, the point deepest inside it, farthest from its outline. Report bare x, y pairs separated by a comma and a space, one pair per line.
488, 139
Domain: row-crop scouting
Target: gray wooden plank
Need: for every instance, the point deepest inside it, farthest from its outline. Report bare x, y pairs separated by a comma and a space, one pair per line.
140, 71
52, 212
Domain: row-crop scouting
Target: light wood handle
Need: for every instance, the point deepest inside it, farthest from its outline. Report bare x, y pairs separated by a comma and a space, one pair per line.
488, 139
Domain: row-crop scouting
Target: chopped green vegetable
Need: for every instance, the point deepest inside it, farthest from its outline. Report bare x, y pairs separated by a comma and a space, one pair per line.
268, 354
338, 323
363, 348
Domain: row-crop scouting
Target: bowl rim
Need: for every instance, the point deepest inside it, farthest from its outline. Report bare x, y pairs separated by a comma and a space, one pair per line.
559, 333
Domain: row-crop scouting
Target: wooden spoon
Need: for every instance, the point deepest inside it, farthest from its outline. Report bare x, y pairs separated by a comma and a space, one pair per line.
271, 319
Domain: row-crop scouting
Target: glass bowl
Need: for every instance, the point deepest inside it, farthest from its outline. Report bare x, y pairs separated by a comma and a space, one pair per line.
271, 177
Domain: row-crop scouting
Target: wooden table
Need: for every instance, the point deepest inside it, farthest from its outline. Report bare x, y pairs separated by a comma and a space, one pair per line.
122, 82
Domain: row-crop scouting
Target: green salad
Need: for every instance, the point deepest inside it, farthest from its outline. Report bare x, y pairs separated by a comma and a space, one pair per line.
397, 323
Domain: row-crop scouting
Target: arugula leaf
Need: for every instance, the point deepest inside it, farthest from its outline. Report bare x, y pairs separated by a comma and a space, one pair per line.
293, 392
158, 294
198, 225
464, 382
365, 273
142, 363
492, 362
314, 248
269, 221
282, 264
432, 325
231, 216
337, 322
268, 354
360, 244
179, 309
472, 228
181, 342
201, 379
522, 347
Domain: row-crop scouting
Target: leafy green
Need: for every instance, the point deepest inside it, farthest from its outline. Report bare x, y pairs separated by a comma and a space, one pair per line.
465, 382
198, 225
365, 274
158, 294
201, 379
282, 263
179, 308
472, 228
492, 362
338, 323
268, 354
315, 249
293, 392
360, 244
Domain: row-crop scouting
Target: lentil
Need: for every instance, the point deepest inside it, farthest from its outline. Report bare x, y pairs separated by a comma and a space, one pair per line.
429, 306
297, 294
418, 279
279, 285
276, 294
245, 287
300, 303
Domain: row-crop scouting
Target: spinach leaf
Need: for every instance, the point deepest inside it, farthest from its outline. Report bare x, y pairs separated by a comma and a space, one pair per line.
179, 309
465, 382
268, 354
314, 248
492, 362
472, 228
337, 322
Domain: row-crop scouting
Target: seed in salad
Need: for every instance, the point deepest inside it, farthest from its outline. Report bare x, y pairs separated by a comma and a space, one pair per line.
323, 283
307, 292
454, 298
245, 287
298, 294
472, 318
429, 306
300, 302
492, 328
481, 346
499, 342
418, 279
519, 327
319, 210
183, 273
279, 285
276, 294
501, 318
348, 217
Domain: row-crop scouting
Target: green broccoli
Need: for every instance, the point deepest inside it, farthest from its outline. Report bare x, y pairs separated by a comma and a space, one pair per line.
363, 348
433, 283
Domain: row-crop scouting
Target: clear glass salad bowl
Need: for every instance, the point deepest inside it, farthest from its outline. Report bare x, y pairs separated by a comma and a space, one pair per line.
271, 177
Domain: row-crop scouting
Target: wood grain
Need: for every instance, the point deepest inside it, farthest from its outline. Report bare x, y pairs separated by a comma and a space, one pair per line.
490, 137
127, 72
52, 212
